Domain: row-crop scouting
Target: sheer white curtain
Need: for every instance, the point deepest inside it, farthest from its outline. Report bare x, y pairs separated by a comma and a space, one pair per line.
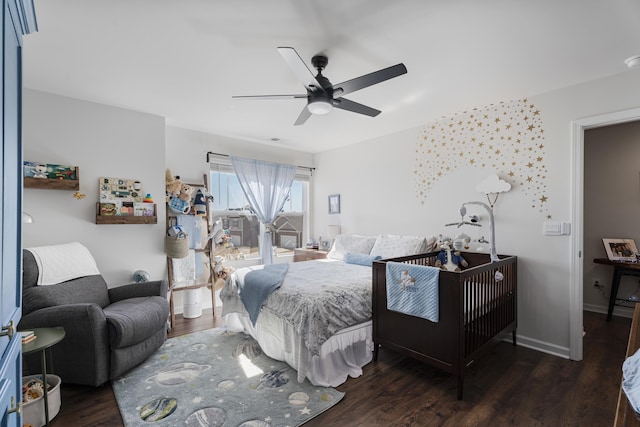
267, 186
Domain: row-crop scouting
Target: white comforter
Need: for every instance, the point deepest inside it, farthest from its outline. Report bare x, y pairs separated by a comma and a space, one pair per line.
318, 298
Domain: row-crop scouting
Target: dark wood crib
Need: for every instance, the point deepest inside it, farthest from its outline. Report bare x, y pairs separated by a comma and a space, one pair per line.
476, 310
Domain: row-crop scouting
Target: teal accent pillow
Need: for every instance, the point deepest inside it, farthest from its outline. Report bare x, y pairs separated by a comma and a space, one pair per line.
360, 259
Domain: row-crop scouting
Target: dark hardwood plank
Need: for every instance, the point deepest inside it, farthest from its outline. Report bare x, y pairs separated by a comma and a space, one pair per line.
510, 386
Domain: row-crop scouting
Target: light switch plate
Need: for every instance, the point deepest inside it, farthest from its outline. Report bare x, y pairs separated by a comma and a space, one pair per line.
552, 228
556, 228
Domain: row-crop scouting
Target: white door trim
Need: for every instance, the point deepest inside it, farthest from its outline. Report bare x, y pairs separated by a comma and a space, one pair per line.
577, 218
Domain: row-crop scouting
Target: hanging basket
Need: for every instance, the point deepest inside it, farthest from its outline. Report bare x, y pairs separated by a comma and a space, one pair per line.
177, 246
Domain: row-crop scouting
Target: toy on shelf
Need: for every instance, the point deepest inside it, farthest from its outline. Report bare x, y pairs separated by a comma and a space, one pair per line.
147, 198
199, 203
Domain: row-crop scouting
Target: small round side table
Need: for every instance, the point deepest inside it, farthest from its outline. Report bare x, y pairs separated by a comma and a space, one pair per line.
45, 338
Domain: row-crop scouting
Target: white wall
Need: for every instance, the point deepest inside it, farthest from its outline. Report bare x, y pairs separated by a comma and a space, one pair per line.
378, 196
102, 141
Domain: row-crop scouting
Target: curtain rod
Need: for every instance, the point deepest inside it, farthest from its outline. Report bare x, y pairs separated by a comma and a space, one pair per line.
210, 153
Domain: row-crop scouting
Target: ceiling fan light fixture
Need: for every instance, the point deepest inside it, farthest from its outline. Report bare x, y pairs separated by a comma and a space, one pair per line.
319, 107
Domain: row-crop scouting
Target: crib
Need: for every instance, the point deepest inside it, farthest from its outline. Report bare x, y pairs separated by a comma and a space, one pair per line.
477, 309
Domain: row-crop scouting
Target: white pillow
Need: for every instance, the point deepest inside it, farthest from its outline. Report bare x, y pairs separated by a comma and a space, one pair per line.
430, 242
354, 243
393, 246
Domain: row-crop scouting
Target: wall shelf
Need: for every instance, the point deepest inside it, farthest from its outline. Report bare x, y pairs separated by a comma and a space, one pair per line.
53, 184
128, 219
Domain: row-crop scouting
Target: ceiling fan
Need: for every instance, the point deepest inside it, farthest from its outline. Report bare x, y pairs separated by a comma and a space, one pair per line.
321, 95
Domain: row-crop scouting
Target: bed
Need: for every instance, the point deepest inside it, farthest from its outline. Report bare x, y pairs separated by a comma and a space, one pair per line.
319, 319
477, 308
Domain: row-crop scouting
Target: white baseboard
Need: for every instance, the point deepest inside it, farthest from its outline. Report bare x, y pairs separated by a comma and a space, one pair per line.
542, 346
617, 310
560, 351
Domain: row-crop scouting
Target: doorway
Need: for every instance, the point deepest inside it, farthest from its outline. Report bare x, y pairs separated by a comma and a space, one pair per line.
577, 218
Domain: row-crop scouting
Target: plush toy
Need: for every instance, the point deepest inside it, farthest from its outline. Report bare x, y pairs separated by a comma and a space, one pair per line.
449, 260
185, 192
173, 185
200, 201
222, 273
178, 194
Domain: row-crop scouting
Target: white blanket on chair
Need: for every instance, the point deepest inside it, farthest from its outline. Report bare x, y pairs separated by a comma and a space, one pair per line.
59, 263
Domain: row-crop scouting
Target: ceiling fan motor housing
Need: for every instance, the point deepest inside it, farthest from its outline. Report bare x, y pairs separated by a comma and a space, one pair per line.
320, 61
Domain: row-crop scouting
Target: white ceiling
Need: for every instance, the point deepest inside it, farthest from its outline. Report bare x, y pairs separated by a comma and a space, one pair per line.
184, 59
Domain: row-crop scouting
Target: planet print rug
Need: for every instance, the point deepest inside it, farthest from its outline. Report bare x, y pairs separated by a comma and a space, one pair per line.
217, 378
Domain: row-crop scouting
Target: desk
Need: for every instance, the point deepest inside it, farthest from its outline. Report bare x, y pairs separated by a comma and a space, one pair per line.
620, 268
45, 338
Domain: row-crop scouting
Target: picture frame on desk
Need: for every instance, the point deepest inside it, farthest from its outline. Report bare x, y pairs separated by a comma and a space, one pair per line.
620, 249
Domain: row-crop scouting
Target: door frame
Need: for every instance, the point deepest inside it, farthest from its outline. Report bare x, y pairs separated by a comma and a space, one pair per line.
578, 127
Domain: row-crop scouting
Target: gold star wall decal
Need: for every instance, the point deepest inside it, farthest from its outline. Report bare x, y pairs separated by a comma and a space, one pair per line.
467, 147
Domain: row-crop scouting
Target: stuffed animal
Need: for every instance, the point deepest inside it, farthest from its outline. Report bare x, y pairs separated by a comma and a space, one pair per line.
449, 260
185, 192
178, 194
200, 200
222, 273
173, 185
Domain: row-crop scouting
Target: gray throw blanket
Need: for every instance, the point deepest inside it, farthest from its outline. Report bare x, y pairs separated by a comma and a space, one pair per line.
258, 285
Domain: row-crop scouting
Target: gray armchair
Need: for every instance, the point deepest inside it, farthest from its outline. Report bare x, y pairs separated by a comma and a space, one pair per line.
108, 331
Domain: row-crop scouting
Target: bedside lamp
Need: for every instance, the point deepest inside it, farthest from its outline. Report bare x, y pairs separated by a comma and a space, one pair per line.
26, 218
332, 232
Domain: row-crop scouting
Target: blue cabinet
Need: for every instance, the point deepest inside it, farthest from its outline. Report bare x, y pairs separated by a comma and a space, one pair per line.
18, 18
11, 384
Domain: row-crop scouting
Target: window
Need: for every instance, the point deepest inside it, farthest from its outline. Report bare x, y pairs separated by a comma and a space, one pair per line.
240, 224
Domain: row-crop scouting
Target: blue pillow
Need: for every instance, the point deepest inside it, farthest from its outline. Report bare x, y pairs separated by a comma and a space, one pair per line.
360, 259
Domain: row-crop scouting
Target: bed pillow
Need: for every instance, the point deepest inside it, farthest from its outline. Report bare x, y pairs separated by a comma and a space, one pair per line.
354, 243
360, 259
393, 246
430, 242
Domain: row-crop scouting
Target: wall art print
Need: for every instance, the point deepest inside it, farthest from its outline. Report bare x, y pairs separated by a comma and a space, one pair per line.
507, 138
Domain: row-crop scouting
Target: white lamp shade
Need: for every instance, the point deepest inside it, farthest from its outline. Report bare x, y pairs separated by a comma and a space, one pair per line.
26, 218
333, 231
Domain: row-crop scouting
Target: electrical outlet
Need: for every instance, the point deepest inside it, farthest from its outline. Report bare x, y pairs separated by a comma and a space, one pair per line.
597, 284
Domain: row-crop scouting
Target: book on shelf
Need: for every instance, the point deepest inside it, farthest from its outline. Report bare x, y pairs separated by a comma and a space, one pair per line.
26, 334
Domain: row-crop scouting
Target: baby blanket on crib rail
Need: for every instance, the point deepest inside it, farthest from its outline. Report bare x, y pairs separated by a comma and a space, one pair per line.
413, 290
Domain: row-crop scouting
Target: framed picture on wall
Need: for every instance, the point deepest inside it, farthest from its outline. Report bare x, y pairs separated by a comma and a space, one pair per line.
334, 204
620, 249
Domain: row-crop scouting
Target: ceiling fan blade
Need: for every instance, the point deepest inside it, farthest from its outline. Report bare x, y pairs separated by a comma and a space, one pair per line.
304, 115
269, 96
300, 69
346, 104
361, 82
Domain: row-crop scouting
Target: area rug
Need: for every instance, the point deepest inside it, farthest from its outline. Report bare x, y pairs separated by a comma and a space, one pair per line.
217, 378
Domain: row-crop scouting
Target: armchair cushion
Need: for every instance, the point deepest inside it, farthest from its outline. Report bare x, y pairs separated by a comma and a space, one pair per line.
144, 289
89, 289
134, 320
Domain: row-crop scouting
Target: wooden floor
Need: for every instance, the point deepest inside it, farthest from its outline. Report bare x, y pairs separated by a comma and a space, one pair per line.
512, 386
